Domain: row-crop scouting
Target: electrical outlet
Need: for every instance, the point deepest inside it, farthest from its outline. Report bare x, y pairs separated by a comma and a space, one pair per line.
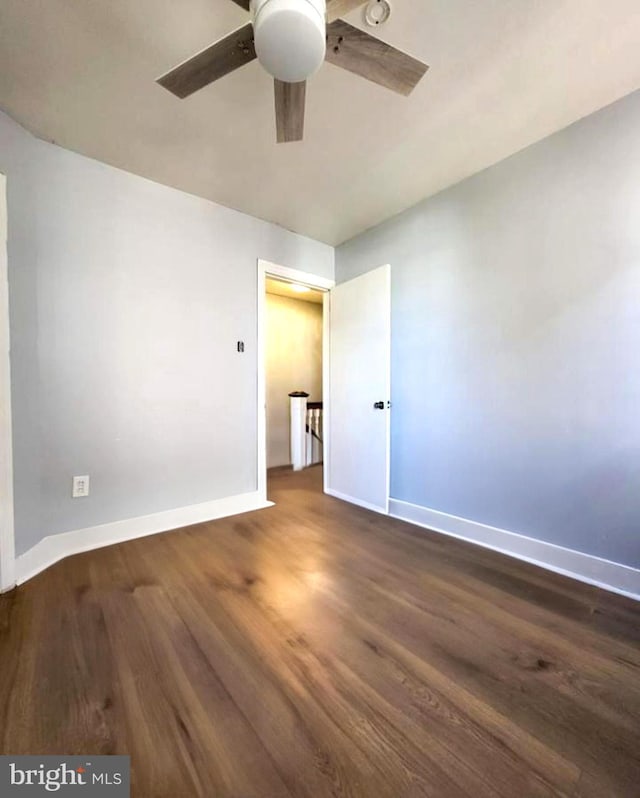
80, 487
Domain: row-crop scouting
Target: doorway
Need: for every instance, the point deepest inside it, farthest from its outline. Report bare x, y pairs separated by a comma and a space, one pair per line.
293, 374
293, 357
356, 383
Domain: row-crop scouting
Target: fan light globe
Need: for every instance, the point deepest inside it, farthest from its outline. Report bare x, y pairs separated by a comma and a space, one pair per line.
290, 37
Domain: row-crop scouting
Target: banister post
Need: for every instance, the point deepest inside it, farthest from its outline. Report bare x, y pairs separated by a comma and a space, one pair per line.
298, 415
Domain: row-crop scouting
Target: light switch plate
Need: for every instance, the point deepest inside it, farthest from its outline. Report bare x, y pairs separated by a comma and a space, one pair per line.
80, 487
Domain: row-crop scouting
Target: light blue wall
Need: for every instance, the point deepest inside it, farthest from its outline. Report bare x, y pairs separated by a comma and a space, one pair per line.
516, 340
126, 302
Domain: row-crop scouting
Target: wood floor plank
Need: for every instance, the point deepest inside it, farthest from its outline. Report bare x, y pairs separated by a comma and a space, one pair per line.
184, 696
315, 649
320, 627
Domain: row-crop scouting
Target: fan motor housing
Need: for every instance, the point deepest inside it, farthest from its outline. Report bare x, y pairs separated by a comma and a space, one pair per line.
290, 37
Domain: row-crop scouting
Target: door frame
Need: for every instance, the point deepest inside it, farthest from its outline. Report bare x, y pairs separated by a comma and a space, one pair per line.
7, 532
268, 269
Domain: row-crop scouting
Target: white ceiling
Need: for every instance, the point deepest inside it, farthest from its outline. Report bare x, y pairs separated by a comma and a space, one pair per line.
504, 73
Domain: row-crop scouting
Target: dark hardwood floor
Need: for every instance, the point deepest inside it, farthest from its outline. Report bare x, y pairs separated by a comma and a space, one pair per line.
317, 649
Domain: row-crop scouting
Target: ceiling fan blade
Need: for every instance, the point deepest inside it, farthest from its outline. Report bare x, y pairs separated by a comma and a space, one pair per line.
338, 8
243, 3
212, 63
290, 99
357, 51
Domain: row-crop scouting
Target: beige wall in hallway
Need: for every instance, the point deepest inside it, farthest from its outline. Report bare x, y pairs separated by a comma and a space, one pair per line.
293, 363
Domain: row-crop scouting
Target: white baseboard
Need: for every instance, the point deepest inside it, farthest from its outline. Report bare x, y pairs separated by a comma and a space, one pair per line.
56, 547
585, 567
367, 505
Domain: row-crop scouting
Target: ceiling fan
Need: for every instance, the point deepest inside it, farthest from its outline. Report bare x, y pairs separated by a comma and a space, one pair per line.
291, 39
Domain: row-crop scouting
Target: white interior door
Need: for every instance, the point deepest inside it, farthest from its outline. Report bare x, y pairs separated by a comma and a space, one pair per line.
7, 576
359, 388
